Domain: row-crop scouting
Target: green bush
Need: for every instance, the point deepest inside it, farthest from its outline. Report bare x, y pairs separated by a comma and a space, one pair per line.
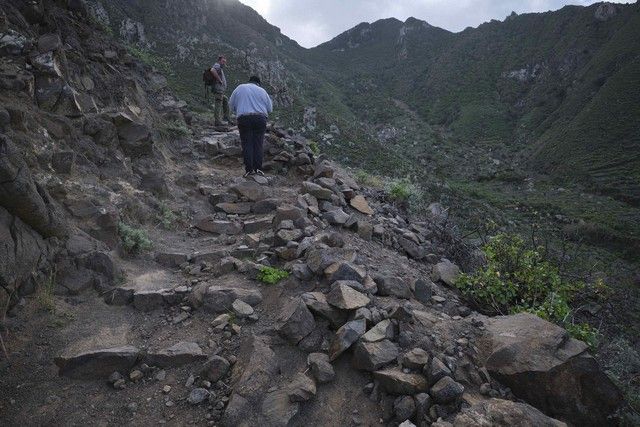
315, 148
167, 218
517, 279
134, 240
401, 190
271, 275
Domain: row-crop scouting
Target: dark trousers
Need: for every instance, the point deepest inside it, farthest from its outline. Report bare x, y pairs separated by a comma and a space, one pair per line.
252, 129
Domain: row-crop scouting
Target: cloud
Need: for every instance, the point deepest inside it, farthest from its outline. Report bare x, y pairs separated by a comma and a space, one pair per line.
311, 22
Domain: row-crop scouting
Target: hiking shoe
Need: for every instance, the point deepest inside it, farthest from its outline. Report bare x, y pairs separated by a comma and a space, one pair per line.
258, 172
247, 174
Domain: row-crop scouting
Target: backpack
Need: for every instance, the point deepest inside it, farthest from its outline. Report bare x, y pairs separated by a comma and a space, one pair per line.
208, 78
209, 81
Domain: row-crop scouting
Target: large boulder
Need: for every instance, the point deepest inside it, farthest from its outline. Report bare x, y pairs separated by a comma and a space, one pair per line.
98, 364
543, 365
504, 413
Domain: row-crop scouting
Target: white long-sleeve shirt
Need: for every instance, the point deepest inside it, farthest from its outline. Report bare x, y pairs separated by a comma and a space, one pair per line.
249, 98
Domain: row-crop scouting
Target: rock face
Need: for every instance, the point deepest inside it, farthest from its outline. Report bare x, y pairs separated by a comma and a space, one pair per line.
504, 413
98, 364
544, 366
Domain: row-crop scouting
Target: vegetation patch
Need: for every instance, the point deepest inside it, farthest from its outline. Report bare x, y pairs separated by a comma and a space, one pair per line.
519, 279
44, 294
134, 240
167, 217
272, 275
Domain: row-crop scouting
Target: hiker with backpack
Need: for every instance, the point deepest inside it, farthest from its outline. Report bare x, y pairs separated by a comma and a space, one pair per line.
220, 100
252, 105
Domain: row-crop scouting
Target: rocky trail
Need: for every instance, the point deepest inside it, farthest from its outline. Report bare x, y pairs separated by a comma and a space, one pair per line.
192, 337
146, 282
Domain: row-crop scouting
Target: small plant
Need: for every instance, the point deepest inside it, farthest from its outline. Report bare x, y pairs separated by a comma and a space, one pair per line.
176, 127
517, 279
167, 218
315, 148
401, 190
134, 240
366, 179
44, 295
271, 275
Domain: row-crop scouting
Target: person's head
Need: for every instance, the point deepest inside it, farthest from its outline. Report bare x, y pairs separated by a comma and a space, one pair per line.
255, 80
222, 60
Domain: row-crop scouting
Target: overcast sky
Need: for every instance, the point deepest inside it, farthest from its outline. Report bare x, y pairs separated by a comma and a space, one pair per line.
311, 22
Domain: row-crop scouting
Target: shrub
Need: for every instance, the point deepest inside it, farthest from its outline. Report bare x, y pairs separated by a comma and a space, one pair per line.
517, 279
167, 218
271, 275
315, 148
366, 179
176, 127
401, 190
134, 240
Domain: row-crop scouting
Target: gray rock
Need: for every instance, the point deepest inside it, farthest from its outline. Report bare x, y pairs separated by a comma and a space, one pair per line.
98, 364
371, 356
63, 161
241, 208
347, 298
382, 330
302, 388
296, 321
446, 390
394, 381
215, 368
393, 286
436, 371
278, 409
179, 354
345, 271
345, 336
148, 300
423, 403
446, 272
504, 413
320, 367
171, 259
317, 303
212, 225
197, 396
265, 206
423, 290
250, 190
256, 225
242, 309
415, 359
316, 190
543, 365
218, 299
336, 216
404, 408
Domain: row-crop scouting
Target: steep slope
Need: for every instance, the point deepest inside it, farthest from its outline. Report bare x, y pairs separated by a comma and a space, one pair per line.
532, 79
